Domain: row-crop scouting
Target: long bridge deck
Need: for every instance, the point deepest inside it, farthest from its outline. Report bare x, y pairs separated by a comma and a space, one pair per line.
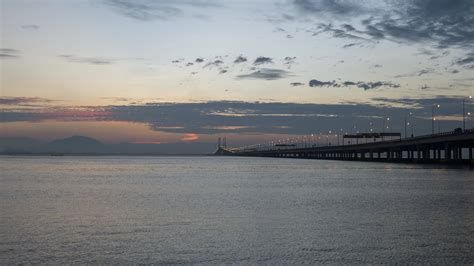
448, 147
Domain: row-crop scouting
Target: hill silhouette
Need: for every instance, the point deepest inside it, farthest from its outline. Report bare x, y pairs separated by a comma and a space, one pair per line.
76, 144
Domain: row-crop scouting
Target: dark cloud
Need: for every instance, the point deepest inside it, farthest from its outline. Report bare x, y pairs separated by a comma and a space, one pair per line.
240, 59
8, 56
295, 84
256, 117
149, 10
349, 45
439, 23
342, 33
417, 73
330, 6
199, 60
467, 61
318, 83
189, 64
358, 84
289, 61
217, 63
9, 53
262, 60
86, 60
223, 71
30, 27
376, 85
266, 74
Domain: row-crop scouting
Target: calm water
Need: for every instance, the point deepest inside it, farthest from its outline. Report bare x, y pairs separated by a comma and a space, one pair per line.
232, 210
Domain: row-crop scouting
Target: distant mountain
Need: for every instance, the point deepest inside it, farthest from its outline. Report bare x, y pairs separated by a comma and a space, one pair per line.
76, 144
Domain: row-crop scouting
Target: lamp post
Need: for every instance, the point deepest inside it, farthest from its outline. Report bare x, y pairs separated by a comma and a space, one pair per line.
383, 128
464, 112
342, 136
432, 116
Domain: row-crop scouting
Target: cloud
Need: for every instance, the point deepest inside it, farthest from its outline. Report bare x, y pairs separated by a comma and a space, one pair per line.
467, 61
240, 59
417, 73
266, 74
336, 7
358, 84
199, 60
295, 84
317, 83
342, 33
262, 60
86, 60
289, 61
30, 27
254, 117
440, 23
23, 101
149, 10
9, 53
376, 85
216, 63
190, 137
8, 56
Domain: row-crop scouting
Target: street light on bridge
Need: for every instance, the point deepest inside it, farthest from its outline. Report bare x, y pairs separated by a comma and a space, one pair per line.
464, 111
407, 123
433, 117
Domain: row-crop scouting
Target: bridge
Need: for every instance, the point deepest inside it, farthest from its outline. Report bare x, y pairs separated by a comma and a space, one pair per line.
454, 147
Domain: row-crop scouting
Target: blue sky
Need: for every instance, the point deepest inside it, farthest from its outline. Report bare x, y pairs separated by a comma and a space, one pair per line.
85, 61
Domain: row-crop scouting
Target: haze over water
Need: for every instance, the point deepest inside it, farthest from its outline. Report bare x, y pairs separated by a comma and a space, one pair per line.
232, 210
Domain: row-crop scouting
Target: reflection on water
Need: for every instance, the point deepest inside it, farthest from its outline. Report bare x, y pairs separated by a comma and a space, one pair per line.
232, 210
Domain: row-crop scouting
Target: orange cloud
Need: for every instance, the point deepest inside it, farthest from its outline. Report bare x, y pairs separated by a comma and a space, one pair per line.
190, 137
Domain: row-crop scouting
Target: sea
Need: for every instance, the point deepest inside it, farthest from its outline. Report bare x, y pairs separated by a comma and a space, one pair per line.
232, 210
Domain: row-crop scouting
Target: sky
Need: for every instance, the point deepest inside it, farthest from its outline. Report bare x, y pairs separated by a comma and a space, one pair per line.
157, 71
